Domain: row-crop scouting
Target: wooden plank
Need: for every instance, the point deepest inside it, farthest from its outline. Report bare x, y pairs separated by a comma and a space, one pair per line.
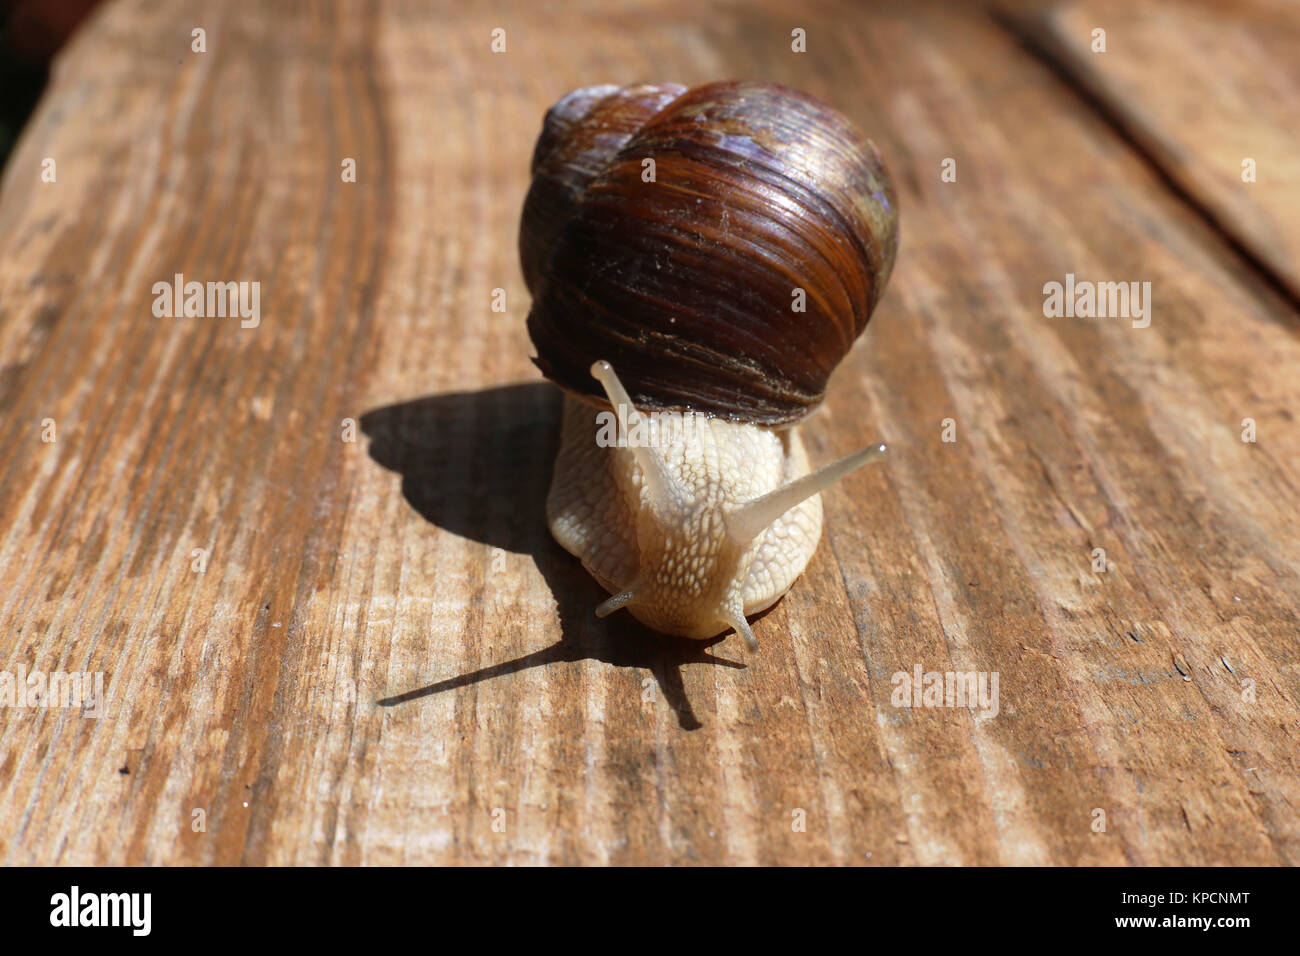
1211, 90
386, 646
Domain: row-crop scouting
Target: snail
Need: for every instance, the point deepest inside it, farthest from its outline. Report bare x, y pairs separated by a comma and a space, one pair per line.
700, 261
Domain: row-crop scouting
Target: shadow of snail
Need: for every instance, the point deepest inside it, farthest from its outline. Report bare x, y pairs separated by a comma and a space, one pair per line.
478, 464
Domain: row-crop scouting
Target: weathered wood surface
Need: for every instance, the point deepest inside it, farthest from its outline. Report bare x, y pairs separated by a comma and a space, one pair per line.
386, 645
1210, 90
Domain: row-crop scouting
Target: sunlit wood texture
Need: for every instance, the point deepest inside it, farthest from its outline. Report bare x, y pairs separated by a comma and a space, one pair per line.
386, 646
1210, 89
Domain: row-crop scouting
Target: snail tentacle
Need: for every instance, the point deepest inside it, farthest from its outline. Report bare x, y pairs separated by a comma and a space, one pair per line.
608, 607
736, 619
666, 495
751, 519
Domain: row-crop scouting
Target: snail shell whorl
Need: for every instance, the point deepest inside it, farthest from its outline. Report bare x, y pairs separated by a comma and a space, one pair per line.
686, 284
581, 134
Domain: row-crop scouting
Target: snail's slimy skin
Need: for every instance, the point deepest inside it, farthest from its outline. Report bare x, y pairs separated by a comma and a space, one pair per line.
697, 528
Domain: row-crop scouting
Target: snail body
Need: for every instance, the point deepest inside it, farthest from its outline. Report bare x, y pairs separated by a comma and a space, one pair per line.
715, 295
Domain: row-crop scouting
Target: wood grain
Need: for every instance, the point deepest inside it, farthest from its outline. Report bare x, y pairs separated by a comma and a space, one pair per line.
386, 646
1202, 87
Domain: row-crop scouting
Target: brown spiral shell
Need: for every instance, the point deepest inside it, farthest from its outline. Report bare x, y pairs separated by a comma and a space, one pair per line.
686, 284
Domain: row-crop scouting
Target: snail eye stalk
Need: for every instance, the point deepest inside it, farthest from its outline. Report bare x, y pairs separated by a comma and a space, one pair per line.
751, 519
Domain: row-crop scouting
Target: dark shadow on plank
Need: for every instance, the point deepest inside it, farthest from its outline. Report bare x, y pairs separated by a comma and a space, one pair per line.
478, 464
